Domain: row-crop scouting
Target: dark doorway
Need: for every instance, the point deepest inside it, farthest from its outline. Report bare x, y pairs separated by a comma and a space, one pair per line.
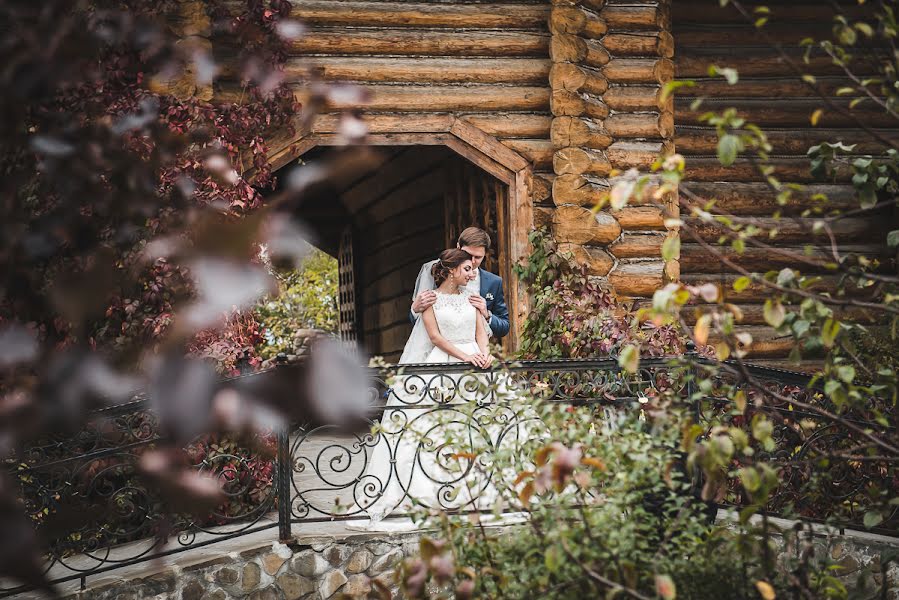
384, 223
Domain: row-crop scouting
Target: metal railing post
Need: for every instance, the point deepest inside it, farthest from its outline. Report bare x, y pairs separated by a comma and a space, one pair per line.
283, 484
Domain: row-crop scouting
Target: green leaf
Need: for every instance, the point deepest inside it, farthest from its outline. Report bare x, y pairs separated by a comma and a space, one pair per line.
671, 247
872, 519
846, 373
728, 147
741, 283
829, 332
750, 479
865, 29
672, 86
774, 313
553, 559
893, 238
629, 359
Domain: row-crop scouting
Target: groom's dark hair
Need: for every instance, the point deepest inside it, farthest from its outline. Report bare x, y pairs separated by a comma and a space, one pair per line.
474, 237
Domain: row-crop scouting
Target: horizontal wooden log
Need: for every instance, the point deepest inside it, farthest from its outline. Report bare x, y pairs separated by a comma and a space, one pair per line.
758, 199
578, 189
575, 104
571, 48
447, 98
574, 78
543, 217
744, 34
641, 155
766, 342
575, 131
638, 279
597, 260
421, 70
794, 13
576, 20
638, 246
578, 225
795, 170
696, 259
634, 98
421, 14
756, 292
640, 218
793, 230
753, 314
782, 87
750, 62
412, 42
512, 125
508, 125
782, 113
640, 125
639, 70
539, 153
704, 140
387, 123
581, 161
635, 17
644, 43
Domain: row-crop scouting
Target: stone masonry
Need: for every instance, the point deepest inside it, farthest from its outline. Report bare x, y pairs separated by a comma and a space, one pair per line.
317, 569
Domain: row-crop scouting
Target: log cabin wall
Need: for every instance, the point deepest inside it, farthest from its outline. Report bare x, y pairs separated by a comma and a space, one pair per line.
610, 60
771, 95
427, 64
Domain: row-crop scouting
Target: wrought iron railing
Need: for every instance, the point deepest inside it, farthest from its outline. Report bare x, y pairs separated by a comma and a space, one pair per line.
319, 473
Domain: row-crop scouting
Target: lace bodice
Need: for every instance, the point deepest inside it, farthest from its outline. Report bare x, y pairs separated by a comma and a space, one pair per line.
456, 317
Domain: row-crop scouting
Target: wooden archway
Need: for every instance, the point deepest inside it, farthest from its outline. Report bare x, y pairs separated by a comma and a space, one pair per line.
482, 150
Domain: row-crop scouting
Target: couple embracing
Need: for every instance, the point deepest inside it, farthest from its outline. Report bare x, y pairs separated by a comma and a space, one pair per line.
456, 308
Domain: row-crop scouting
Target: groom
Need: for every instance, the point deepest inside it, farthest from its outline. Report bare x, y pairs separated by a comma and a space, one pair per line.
486, 288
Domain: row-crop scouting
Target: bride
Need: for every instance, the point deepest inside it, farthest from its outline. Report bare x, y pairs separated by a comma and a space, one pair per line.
414, 461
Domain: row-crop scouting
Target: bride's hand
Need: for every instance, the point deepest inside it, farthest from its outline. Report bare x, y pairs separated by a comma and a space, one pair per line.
473, 359
488, 360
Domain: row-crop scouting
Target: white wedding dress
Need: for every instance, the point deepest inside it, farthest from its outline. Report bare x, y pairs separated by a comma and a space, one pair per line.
430, 422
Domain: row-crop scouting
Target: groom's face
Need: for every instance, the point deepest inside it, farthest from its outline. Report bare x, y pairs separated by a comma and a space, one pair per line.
477, 255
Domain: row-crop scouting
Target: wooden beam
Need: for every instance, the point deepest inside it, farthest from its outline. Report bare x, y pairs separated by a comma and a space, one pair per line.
511, 125
527, 71
421, 14
388, 123
635, 17
388, 98
642, 43
520, 224
477, 157
421, 43
639, 70
488, 145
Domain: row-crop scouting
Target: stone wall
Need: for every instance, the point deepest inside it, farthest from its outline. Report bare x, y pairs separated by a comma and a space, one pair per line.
314, 570
348, 567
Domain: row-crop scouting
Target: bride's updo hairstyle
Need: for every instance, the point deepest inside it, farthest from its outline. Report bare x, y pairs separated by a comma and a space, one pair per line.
449, 259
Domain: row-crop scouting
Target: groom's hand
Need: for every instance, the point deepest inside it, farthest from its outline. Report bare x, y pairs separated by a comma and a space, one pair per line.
480, 304
424, 301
